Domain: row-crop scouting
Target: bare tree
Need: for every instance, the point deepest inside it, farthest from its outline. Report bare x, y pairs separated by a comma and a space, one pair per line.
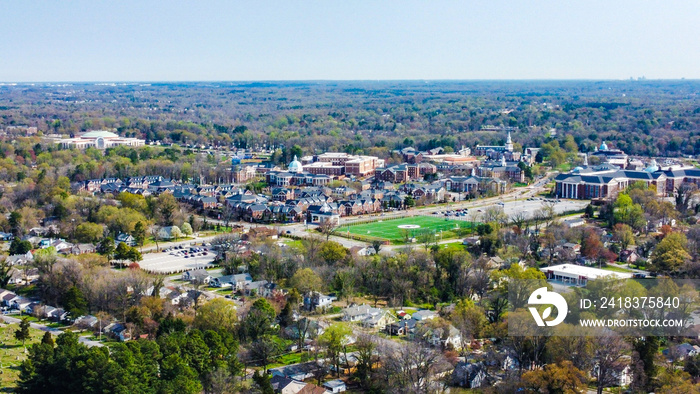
409, 368
495, 214
327, 228
312, 245
155, 233
366, 359
609, 360
518, 220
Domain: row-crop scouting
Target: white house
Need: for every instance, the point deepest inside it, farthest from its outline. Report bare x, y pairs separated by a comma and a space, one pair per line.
424, 315
169, 232
335, 386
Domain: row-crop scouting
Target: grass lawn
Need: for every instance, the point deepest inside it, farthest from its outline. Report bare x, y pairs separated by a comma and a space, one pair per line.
617, 269
12, 353
454, 247
295, 243
389, 230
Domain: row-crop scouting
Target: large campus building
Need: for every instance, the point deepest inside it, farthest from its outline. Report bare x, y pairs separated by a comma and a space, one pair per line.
606, 180
340, 163
100, 139
613, 157
496, 152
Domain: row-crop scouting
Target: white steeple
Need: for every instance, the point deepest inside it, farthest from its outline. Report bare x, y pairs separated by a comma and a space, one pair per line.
585, 160
509, 143
503, 161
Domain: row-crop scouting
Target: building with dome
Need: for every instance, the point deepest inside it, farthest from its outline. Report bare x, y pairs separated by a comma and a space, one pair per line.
653, 166
295, 166
100, 139
611, 156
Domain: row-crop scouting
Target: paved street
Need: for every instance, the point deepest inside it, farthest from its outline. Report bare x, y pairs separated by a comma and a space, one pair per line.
82, 339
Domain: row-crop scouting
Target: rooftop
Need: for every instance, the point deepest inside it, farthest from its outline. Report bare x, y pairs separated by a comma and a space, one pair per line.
588, 272
99, 133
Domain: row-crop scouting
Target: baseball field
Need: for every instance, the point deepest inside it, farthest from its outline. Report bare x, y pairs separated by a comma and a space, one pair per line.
396, 230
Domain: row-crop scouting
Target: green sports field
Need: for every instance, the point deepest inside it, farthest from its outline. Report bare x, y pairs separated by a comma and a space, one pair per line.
389, 229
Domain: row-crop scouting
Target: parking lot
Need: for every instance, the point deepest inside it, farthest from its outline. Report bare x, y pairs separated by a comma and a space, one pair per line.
512, 208
176, 260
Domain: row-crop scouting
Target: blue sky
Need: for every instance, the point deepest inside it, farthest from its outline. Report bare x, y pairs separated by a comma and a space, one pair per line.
314, 40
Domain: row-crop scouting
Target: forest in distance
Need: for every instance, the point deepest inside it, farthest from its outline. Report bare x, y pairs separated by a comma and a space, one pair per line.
640, 117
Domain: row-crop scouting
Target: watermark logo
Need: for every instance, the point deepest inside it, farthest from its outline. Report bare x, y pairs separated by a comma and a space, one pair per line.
543, 297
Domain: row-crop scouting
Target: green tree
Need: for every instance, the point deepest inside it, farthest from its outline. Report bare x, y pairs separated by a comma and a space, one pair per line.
178, 377
670, 254
22, 333
74, 302
409, 202
186, 228
332, 252
5, 272
265, 349
263, 383
334, 340
47, 339
167, 206
122, 251
139, 233
627, 212
89, 232
305, 280
18, 246
217, 314
106, 247
623, 234
590, 211
520, 284
259, 320
15, 222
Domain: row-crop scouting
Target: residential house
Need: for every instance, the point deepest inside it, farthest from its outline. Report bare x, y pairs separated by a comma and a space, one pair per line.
469, 375
236, 282
368, 316
88, 321
335, 386
444, 337
82, 249
623, 377
574, 222
424, 315
628, 256
315, 300
379, 321
8, 298
118, 331
200, 275
309, 328
168, 232
284, 385
682, 351
20, 259
311, 388
299, 372
402, 327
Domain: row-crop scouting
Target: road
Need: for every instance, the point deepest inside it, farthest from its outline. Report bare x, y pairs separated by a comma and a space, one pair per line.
54, 331
513, 202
